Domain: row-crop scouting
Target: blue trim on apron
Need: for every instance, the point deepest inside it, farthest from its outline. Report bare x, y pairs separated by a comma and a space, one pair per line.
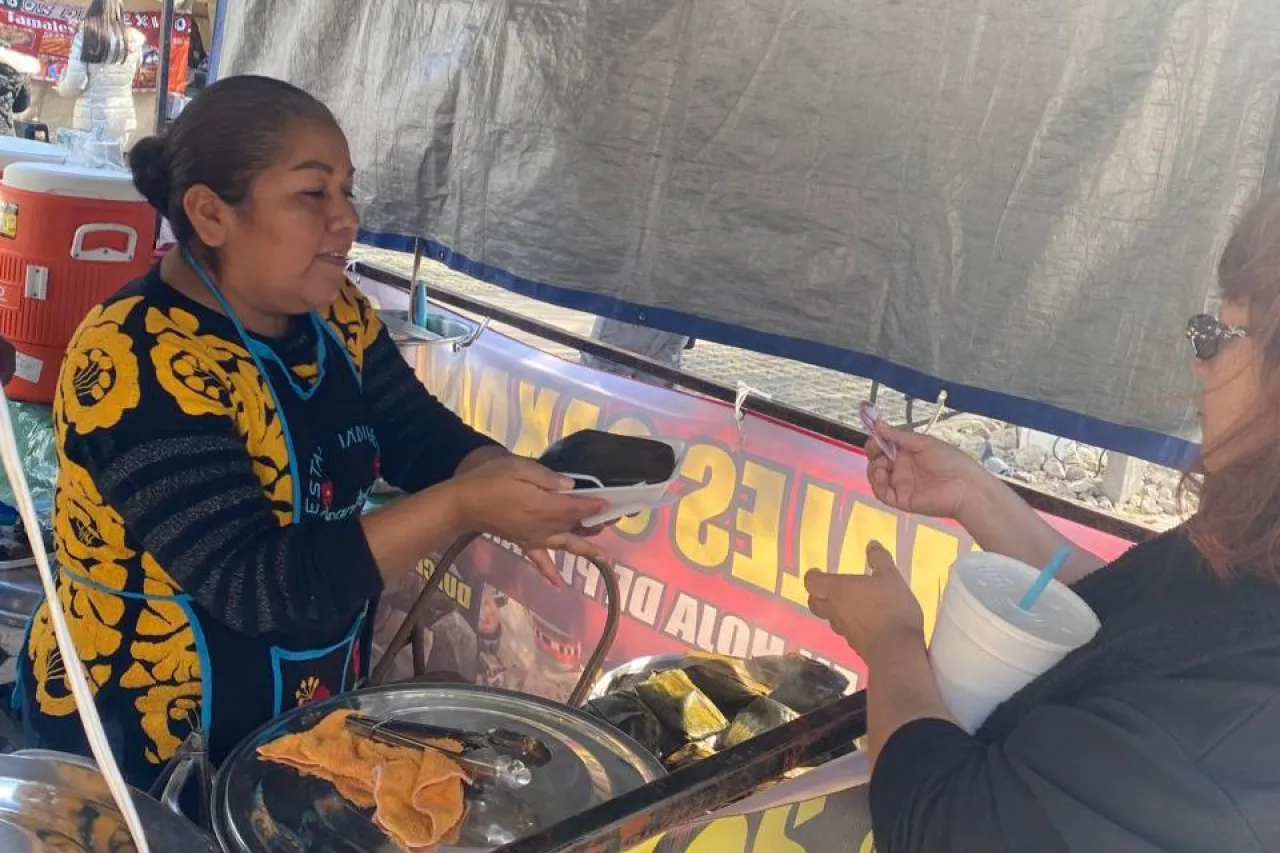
206, 668
279, 655
261, 354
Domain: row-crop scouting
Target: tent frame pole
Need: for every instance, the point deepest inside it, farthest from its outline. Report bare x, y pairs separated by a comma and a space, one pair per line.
162, 73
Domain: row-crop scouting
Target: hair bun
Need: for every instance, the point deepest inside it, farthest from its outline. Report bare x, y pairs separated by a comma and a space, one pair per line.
150, 167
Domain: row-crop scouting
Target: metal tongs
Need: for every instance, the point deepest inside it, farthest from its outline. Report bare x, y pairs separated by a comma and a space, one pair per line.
505, 771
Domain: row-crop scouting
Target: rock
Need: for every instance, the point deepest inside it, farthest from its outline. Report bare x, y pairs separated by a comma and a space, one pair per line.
1055, 469
1149, 505
1029, 458
1076, 473
1090, 456
1006, 438
996, 465
1082, 488
1105, 504
1169, 506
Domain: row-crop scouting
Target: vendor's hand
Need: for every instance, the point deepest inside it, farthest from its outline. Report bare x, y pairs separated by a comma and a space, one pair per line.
540, 554
929, 476
869, 610
517, 499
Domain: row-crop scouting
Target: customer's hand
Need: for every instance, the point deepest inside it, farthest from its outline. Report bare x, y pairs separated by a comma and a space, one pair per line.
519, 500
929, 477
871, 611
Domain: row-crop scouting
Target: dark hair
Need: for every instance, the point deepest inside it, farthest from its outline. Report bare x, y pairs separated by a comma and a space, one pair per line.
227, 136
1237, 478
106, 39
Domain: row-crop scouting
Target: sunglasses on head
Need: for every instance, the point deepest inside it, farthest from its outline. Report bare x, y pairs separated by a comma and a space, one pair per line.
1207, 335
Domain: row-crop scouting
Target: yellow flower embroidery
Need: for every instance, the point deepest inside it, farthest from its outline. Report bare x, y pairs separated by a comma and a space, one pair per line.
311, 690
155, 580
209, 376
263, 433
99, 381
167, 643
53, 692
93, 615
198, 385
169, 712
87, 530
355, 321
185, 325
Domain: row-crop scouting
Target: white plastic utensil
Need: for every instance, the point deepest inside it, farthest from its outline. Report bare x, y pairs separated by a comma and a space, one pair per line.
66, 646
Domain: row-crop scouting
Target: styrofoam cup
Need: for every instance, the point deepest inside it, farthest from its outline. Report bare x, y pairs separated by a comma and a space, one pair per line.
985, 647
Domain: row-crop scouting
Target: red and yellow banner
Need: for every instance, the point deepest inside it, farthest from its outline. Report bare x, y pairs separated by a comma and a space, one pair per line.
718, 569
46, 32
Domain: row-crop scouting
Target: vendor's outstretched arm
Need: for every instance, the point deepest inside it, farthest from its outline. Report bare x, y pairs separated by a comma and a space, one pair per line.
1003, 523
187, 491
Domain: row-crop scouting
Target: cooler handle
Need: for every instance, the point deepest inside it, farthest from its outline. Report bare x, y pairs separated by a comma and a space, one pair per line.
104, 255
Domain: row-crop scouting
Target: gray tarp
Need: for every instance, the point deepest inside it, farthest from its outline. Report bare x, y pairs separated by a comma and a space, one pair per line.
1023, 198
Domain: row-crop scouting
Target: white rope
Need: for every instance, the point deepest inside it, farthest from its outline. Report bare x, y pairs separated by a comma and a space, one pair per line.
740, 413
66, 646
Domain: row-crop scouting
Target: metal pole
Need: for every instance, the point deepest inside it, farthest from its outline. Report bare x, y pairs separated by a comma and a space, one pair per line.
162, 73
418, 308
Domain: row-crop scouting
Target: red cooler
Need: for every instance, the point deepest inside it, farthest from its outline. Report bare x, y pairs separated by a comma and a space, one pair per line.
69, 238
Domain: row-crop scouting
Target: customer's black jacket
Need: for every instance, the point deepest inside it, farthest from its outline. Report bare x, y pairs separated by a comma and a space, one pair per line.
1163, 734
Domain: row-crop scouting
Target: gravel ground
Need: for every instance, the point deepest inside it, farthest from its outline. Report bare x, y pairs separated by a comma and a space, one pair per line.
1068, 469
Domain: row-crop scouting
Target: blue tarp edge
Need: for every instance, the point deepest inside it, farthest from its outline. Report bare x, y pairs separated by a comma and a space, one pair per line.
1140, 443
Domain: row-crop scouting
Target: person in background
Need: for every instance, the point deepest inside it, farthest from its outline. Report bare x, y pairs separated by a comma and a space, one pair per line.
15, 96
104, 60
1159, 734
666, 348
221, 423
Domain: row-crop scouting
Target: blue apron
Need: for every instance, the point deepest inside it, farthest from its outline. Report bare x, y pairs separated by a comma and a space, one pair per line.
334, 462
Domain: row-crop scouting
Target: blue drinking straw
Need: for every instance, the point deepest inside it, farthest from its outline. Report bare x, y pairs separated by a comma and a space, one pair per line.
1046, 574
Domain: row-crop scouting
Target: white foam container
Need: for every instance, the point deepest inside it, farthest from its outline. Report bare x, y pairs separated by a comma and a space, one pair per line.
985, 647
14, 149
74, 181
623, 501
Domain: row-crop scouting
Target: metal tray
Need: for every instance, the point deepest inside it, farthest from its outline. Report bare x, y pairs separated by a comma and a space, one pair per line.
51, 802
265, 808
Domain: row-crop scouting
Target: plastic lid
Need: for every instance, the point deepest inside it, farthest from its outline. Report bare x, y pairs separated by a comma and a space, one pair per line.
261, 807
72, 181
998, 583
51, 802
14, 149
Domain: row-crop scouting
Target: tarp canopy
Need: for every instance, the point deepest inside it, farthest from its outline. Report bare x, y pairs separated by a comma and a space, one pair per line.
1018, 202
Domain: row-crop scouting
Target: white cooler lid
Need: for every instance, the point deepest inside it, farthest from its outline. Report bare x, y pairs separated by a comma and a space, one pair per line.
14, 149
72, 181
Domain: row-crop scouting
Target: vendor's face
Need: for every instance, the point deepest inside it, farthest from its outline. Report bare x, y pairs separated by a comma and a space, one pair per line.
1230, 382
286, 248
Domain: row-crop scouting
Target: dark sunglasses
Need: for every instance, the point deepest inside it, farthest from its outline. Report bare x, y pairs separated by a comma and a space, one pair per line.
1207, 334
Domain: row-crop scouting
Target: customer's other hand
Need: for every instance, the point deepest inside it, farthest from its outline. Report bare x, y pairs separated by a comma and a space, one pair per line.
929, 476
870, 611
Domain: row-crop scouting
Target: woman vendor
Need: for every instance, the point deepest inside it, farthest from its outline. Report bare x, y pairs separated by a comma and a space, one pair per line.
220, 424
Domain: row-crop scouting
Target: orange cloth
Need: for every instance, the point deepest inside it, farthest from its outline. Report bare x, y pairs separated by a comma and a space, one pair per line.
416, 795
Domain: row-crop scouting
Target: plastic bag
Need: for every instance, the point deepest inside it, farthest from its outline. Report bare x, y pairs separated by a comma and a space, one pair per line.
94, 149
33, 424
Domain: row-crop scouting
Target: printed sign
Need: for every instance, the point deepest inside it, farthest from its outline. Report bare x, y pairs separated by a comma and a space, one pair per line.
720, 569
8, 220
47, 31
